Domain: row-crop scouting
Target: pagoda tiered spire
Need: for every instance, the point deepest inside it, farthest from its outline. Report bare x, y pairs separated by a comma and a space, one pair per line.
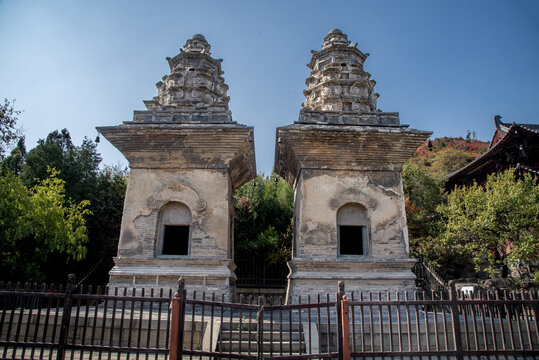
195, 82
338, 81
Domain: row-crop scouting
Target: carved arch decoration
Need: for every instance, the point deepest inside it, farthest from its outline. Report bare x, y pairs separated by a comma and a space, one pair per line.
176, 192
353, 195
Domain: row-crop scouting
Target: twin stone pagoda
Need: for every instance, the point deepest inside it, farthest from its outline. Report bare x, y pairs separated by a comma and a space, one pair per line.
187, 157
342, 156
344, 159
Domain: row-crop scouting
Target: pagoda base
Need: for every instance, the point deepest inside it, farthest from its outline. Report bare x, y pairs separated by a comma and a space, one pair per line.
316, 277
200, 275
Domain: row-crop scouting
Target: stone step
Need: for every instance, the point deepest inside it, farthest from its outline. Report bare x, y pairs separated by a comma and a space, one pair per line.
275, 335
235, 346
245, 326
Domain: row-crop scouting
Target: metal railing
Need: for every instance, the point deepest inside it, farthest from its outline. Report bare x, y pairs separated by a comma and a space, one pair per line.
53, 322
428, 279
254, 329
426, 325
47, 322
251, 272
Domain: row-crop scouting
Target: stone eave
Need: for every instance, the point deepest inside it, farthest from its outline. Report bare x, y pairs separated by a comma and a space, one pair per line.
187, 146
340, 118
323, 83
350, 148
173, 62
176, 117
335, 48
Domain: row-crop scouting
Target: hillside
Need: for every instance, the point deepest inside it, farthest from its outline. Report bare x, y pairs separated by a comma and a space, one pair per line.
472, 147
444, 155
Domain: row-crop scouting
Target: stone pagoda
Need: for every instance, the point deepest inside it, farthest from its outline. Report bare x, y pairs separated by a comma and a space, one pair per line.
344, 159
187, 157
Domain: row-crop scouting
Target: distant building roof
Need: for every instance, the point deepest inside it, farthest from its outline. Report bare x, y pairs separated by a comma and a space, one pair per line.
513, 145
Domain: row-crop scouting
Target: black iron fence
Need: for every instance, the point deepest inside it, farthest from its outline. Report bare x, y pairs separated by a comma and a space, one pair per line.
256, 329
251, 272
425, 325
56, 322
46, 322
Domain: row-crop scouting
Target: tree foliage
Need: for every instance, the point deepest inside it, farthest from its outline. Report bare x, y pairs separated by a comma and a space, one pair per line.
15, 161
104, 189
37, 222
78, 166
60, 212
8, 130
443, 162
423, 193
495, 224
472, 228
106, 204
263, 219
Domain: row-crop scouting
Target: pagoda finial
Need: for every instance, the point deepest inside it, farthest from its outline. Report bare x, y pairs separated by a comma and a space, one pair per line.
197, 44
335, 37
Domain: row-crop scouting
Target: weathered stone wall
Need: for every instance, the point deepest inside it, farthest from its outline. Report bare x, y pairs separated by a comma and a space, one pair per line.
323, 192
316, 266
205, 192
370, 274
208, 265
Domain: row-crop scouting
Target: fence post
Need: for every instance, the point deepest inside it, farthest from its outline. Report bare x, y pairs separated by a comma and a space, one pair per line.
260, 328
177, 306
340, 296
456, 321
66, 317
535, 308
345, 328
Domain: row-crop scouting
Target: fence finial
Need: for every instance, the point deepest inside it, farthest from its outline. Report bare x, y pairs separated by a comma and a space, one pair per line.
71, 278
181, 284
341, 289
452, 287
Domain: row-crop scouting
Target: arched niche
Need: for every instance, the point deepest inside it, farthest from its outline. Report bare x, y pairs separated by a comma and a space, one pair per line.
174, 230
353, 230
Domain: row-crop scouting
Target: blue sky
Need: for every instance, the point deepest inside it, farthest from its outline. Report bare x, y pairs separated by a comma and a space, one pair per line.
446, 66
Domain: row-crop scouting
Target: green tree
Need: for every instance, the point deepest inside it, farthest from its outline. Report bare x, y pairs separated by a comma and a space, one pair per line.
15, 161
263, 219
8, 130
423, 194
492, 225
78, 166
76, 179
37, 222
107, 202
104, 188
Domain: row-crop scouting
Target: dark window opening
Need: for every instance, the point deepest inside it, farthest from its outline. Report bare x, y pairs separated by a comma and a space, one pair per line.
351, 240
176, 240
